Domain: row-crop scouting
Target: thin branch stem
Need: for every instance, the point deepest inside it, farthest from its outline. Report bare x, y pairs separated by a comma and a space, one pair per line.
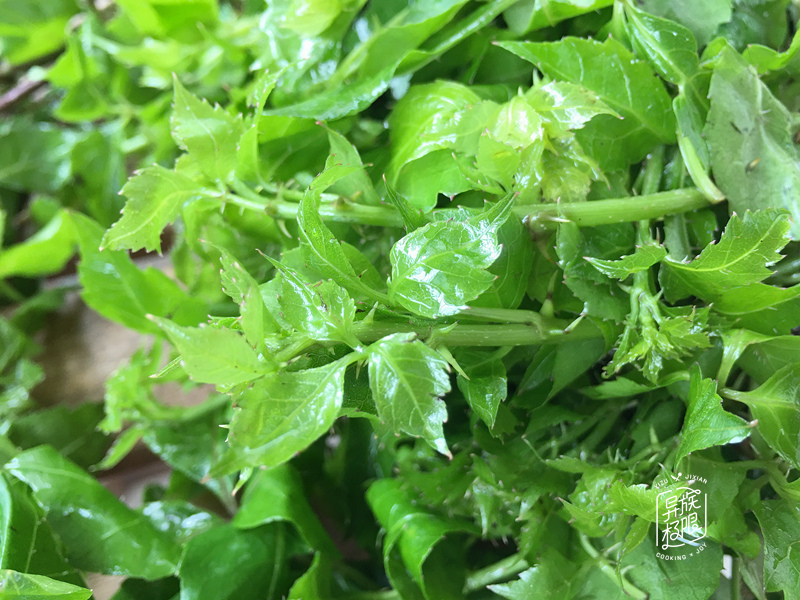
494, 573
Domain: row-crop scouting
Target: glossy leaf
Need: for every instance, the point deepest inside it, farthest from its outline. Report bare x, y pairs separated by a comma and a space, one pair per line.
706, 423
25, 586
229, 563
281, 415
625, 85
438, 268
323, 252
278, 495
99, 532
487, 385
407, 380
748, 246
530, 15
324, 312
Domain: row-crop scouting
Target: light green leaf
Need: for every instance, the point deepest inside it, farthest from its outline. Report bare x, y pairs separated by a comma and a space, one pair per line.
240, 286
282, 414
155, 196
552, 577
25, 586
323, 252
706, 423
324, 312
641, 260
408, 380
438, 268
44, 253
530, 15
625, 85
701, 17
115, 287
99, 532
210, 135
341, 101
214, 355
753, 156
357, 185
747, 247
424, 121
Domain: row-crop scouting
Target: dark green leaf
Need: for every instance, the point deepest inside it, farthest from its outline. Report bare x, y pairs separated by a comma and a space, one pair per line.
99, 532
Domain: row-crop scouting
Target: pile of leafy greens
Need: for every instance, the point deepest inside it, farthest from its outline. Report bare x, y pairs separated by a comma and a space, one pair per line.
472, 281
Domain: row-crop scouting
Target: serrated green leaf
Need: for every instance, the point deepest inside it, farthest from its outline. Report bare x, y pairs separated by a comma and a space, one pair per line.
775, 404
214, 355
438, 268
624, 84
706, 423
601, 297
324, 312
779, 522
99, 532
407, 380
210, 135
553, 576
282, 414
240, 286
530, 15
641, 260
749, 132
487, 385
115, 287
323, 252
747, 247
155, 196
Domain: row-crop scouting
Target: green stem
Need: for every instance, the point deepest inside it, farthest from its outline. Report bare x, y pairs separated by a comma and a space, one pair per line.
584, 214
518, 334
698, 172
500, 571
736, 579
606, 568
